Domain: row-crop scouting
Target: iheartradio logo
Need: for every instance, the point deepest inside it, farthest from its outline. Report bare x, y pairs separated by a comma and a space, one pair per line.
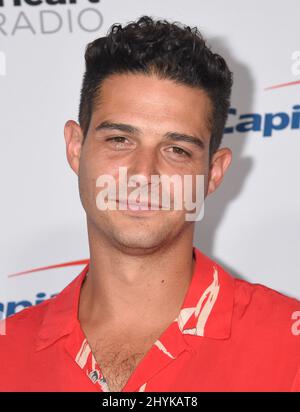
18, 3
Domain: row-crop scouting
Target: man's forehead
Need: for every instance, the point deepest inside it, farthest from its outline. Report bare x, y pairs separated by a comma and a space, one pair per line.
121, 101
128, 87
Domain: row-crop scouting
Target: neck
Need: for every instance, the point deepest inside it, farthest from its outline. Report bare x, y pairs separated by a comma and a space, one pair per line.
125, 289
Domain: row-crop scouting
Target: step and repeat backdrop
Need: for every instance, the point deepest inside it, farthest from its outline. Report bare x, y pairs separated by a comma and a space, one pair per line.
251, 224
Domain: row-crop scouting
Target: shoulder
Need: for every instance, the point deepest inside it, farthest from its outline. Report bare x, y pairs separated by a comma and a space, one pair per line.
256, 296
49, 315
23, 325
266, 324
266, 301
251, 297
267, 319
17, 342
259, 308
269, 323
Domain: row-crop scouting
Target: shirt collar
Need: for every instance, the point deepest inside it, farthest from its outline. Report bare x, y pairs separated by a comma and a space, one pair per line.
206, 310
61, 315
208, 305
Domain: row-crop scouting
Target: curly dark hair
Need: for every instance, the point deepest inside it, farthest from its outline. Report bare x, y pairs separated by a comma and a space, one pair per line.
169, 50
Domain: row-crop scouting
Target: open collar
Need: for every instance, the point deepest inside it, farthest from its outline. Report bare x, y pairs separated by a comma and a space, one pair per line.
206, 310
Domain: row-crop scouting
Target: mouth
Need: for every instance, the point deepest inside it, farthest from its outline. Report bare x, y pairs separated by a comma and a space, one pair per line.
140, 206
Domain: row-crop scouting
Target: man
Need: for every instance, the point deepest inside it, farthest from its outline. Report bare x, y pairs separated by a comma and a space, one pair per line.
150, 312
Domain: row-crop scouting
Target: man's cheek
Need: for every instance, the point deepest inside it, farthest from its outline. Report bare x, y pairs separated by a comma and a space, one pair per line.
87, 187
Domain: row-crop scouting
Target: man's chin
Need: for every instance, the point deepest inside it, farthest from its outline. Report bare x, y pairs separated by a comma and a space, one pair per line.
142, 242
138, 235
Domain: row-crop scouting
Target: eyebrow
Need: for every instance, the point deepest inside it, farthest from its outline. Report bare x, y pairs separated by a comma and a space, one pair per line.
172, 136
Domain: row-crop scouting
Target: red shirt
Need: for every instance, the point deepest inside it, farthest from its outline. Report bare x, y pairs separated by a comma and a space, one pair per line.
230, 335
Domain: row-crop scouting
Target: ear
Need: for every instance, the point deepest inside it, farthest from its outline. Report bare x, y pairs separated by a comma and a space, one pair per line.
219, 164
74, 140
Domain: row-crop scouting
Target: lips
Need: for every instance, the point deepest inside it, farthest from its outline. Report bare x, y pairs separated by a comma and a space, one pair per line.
140, 205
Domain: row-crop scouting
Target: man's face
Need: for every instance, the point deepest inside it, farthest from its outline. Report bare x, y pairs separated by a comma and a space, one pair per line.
133, 126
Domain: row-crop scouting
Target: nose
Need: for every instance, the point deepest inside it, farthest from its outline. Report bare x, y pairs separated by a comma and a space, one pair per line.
145, 163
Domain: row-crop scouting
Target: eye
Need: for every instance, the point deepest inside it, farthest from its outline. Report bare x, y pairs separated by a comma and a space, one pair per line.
179, 151
117, 139
118, 142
